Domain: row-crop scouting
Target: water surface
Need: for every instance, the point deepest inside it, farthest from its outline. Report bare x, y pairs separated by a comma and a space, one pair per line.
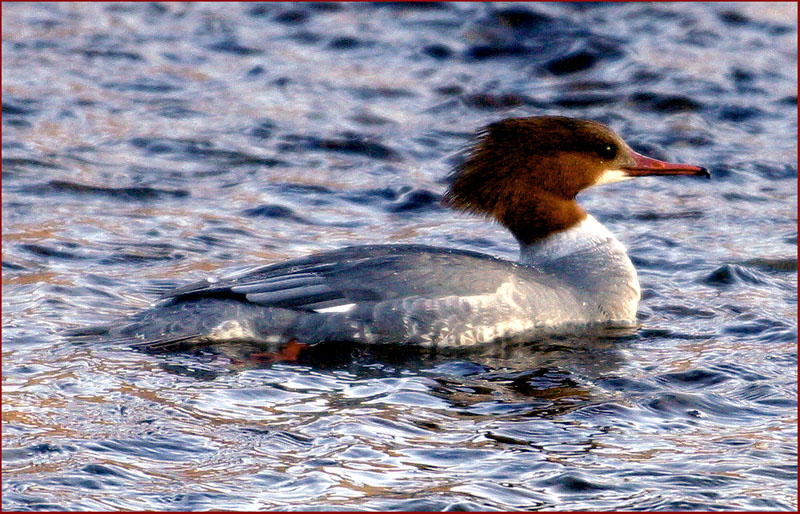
152, 144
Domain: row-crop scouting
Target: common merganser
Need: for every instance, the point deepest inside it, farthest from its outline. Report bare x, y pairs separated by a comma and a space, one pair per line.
524, 173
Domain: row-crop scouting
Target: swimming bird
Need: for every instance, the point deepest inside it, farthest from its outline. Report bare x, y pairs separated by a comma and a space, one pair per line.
524, 173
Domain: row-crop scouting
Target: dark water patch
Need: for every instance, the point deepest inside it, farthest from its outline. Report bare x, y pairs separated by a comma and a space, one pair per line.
131, 8
304, 189
481, 52
281, 440
733, 18
21, 163
304, 37
343, 43
13, 145
739, 113
370, 196
369, 119
416, 200
544, 383
155, 146
686, 311
741, 76
787, 265
619, 383
785, 472
231, 46
645, 76
588, 85
700, 38
438, 51
49, 251
664, 103
260, 9
12, 266
256, 71
695, 378
571, 63
459, 368
19, 107
753, 328
195, 371
410, 6
78, 482
593, 52
661, 333
36, 45
35, 503
452, 90
292, 17
36, 451
541, 39
520, 20
741, 371
210, 241
746, 197
499, 100
157, 448
775, 171
574, 483
175, 108
105, 471
16, 122
379, 93
274, 211
349, 143
143, 85
690, 407
325, 6
200, 150
141, 193
147, 255
728, 275
658, 216
584, 100
93, 53
781, 403
738, 19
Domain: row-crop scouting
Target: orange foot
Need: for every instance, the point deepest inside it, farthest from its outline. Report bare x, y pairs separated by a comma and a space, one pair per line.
288, 353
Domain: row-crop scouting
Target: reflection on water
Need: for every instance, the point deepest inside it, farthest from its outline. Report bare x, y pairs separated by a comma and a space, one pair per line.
147, 145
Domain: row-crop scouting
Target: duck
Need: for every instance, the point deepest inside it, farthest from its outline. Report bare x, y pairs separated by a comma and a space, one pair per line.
524, 173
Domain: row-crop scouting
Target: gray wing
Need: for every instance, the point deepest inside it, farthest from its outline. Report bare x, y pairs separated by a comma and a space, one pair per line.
379, 293
360, 274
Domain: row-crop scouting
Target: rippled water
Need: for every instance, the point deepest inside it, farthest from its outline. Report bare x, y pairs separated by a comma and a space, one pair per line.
151, 144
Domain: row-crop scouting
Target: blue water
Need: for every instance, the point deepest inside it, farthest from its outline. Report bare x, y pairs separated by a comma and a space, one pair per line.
150, 144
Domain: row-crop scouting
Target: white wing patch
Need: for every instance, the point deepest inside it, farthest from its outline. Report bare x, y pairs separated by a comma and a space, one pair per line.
338, 308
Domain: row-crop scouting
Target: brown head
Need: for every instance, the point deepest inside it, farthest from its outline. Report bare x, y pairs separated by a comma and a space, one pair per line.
526, 172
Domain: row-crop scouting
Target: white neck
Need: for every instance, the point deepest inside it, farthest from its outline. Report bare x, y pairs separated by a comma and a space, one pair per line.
588, 233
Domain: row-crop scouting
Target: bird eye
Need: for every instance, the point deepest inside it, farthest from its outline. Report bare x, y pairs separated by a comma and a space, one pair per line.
606, 151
